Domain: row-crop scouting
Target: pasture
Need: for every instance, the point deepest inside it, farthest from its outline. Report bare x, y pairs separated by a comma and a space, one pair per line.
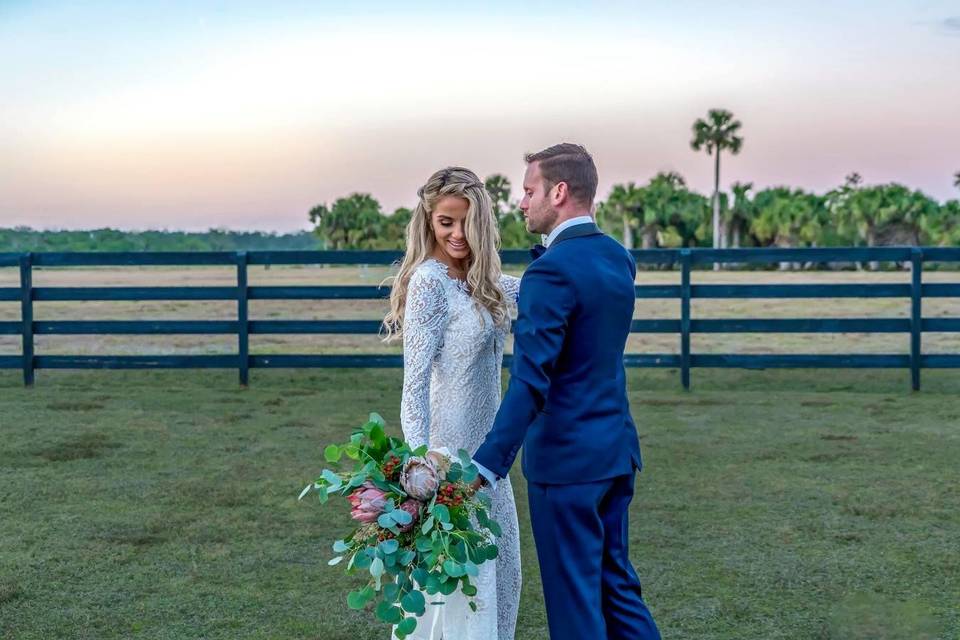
774, 504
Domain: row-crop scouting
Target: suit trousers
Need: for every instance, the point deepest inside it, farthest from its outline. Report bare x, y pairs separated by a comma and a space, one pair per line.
590, 588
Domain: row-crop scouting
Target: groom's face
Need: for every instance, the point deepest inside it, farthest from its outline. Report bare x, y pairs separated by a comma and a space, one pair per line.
537, 206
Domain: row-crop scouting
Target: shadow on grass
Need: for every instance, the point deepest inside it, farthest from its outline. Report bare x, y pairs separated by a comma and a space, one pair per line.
80, 447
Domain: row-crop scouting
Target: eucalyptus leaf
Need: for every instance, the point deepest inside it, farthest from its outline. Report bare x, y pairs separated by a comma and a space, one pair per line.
427, 525
334, 561
389, 546
424, 544
401, 517
446, 588
413, 602
376, 568
391, 592
441, 513
389, 613
356, 600
453, 568
420, 575
385, 520
406, 627
305, 491
362, 560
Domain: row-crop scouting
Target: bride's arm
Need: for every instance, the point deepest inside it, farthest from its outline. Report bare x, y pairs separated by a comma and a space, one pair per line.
510, 286
424, 320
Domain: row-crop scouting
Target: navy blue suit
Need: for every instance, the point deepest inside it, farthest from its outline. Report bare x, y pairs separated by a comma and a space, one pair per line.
567, 405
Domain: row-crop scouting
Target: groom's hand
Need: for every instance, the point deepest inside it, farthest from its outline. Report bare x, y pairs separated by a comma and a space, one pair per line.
476, 485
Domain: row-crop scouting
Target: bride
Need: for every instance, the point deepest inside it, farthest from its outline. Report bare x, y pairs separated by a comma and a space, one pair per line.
451, 305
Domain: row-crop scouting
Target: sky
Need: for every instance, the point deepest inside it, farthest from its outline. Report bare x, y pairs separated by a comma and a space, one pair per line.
192, 115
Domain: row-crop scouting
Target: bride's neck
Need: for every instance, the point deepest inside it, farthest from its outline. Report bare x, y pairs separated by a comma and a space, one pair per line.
457, 267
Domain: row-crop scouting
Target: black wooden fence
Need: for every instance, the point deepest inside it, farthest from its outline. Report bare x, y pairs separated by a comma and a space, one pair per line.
684, 259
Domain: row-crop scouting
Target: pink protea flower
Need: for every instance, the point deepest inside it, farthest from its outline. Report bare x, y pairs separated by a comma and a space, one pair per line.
419, 479
367, 503
413, 508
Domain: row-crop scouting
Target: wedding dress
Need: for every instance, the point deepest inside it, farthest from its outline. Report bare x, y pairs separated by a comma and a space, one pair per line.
453, 353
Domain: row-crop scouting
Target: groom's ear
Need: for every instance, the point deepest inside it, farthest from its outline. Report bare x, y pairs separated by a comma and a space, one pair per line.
560, 194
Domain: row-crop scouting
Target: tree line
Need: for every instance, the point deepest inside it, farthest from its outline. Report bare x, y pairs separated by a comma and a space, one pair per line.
22, 239
665, 213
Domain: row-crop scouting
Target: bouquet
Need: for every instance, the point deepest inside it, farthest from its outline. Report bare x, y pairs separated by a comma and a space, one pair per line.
421, 531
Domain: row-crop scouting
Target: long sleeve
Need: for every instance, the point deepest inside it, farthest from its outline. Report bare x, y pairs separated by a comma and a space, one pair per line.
424, 321
511, 287
545, 306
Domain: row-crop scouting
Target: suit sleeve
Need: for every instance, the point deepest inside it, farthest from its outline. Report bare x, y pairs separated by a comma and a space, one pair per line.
546, 304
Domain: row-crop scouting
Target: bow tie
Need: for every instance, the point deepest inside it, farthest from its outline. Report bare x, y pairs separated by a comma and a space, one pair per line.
537, 250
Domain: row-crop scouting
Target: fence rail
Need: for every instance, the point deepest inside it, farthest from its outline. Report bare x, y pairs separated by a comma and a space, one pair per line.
685, 259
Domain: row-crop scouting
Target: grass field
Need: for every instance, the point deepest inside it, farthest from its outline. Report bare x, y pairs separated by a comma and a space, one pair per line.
806, 505
774, 504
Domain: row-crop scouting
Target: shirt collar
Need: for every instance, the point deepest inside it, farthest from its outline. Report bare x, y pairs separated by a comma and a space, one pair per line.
566, 224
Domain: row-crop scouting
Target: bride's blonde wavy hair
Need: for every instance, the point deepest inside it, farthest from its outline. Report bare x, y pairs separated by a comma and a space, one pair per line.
483, 238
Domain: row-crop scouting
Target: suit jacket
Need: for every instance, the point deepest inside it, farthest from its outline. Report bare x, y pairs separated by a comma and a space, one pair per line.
567, 399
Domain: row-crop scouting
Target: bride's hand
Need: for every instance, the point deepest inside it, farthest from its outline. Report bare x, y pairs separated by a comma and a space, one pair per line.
476, 485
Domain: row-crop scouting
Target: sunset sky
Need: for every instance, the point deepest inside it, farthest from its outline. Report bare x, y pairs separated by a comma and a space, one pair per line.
192, 115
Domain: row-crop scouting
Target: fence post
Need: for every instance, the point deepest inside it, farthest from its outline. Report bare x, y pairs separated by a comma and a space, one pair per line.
916, 315
26, 316
685, 318
243, 316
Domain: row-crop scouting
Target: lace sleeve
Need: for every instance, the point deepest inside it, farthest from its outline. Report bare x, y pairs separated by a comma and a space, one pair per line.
424, 320
511, 287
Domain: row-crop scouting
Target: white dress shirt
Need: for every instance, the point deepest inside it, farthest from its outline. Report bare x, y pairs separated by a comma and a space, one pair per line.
566, 224
488, 475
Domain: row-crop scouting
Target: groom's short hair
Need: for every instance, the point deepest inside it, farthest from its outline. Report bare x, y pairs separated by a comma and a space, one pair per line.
570, 163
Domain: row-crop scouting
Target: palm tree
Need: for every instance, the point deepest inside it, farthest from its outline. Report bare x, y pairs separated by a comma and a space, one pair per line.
956, 179
888, 214
623, 204
716, 133
498, 186
741, 213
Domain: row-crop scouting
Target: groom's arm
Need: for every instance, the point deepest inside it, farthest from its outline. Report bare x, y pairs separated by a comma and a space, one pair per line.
544, 308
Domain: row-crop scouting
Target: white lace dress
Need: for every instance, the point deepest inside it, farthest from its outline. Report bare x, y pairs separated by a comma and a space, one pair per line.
452, 354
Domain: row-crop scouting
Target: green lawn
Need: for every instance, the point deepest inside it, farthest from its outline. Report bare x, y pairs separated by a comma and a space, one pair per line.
808, 505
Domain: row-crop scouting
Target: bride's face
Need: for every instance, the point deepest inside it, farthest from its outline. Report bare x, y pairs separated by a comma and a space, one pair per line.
449, 218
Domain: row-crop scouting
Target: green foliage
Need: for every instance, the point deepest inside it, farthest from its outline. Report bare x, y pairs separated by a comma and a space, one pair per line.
25, 239
664, 212
717, 133
353, 222
882, 214
400, 558
787, 218
943, 226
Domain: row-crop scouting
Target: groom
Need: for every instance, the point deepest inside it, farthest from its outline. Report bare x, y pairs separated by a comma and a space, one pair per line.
567, 405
